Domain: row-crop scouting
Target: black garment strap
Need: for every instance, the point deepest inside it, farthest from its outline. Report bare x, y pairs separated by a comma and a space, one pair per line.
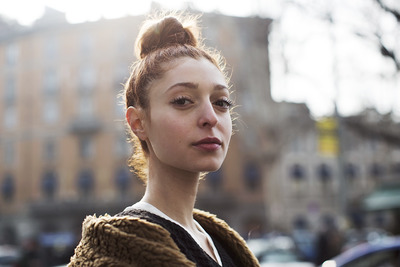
184, 240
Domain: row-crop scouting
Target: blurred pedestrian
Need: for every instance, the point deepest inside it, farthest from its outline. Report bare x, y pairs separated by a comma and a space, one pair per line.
30, 254
179, 113
329, 241
304, 239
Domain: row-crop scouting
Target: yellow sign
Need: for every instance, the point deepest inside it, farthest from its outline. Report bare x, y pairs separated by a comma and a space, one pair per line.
328, 143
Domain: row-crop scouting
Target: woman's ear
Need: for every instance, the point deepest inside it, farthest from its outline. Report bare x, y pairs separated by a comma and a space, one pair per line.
135, 119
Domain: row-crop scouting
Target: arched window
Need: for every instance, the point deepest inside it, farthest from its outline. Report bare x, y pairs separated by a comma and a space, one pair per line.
49, 184
297, 172
85, 181
252, 176
300, 222
8, 187
324, 172
123, 179
376, 170
350, 171
214, 179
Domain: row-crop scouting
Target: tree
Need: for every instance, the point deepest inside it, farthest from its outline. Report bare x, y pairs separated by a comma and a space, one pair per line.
384, 49
337, 51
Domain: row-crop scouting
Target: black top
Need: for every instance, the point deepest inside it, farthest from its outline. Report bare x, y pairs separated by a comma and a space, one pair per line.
185, 241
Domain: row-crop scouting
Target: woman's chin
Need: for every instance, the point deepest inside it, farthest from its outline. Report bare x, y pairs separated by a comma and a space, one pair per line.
212, 168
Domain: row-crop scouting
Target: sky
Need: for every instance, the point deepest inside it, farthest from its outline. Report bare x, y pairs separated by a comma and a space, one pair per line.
311, 60
88, 10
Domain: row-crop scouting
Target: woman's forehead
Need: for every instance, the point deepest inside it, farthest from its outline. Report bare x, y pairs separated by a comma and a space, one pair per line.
195, 71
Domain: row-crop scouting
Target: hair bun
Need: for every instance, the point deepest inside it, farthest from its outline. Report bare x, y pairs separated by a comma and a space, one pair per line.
166, 32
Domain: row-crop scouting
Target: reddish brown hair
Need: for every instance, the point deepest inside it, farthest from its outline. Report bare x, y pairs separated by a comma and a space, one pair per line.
160, 42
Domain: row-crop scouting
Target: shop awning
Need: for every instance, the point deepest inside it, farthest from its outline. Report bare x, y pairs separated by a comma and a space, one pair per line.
384, 198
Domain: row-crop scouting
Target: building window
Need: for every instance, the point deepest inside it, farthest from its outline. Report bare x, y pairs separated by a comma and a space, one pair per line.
214, 179
252, 176
9, 152
123, 180
49, 150
376, 170
300, 222
295, 144
8, 188
50, 82
49, 184
119, 108
10, 90
86, 106
50, 49
10, 116
298, 175
11, 55
324, 172
50, 110
297, 172
372, 145
87, 79
85, 182
122, 147
86, 147
350, 171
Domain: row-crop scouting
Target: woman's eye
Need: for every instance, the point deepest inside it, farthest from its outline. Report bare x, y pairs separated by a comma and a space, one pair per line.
224, 103
181, 101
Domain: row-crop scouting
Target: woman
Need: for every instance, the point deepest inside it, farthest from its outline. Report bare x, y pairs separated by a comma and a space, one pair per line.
178, 109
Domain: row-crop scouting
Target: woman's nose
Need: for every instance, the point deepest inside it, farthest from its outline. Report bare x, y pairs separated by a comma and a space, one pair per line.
208, 117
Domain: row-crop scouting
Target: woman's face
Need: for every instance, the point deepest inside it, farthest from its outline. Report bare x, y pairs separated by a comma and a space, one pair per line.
188, 125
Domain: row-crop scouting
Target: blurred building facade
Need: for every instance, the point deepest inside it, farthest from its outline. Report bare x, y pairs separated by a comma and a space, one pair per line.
327, 170
63, 146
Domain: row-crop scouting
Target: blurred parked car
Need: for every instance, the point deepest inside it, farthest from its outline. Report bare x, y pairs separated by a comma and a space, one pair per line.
359, 236
380, 253
9, 256
276, 252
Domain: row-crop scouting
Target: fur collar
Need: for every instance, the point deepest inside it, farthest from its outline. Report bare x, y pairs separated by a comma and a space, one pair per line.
129, 241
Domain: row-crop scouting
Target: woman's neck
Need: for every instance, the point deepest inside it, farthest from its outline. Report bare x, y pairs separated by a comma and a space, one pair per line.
173, 192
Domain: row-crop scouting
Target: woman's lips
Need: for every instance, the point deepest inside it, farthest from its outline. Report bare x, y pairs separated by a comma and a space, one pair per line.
208, 144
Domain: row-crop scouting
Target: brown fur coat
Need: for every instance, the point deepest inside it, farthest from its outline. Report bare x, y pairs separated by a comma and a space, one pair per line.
130, 241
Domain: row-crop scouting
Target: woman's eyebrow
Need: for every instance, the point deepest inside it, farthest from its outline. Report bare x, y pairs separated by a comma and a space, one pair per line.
220, 87
191, 85
184, 84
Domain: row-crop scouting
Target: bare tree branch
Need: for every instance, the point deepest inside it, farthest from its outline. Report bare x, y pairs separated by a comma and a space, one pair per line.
385, 51
392, 11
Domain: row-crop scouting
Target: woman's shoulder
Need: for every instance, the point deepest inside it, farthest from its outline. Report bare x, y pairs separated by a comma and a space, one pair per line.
210, 222
122, 240
229, 239
122, 224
